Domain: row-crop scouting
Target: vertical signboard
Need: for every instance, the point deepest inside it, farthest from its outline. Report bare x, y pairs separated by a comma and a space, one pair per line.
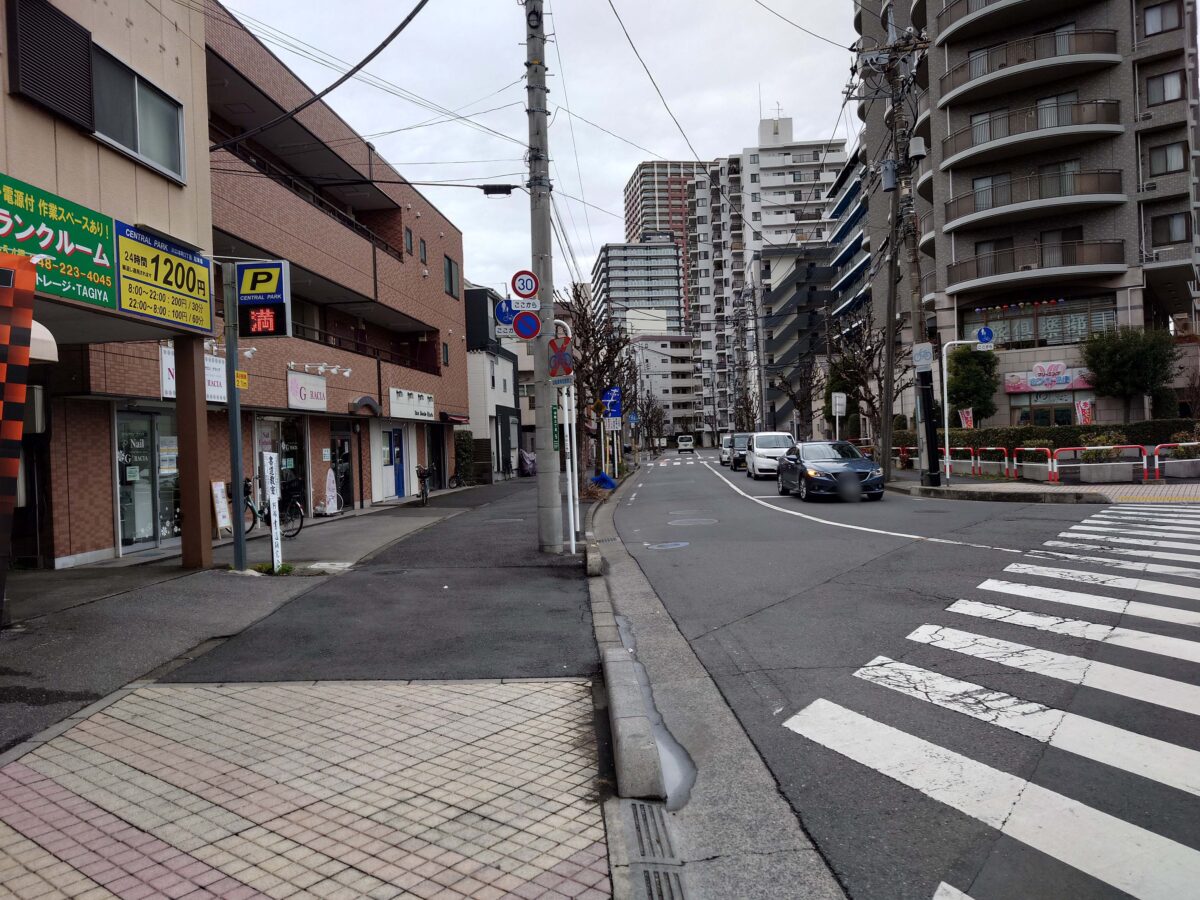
554, 425
264, 298
269, 467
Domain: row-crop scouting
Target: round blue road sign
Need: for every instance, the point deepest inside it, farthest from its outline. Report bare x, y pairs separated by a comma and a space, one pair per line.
526, 325
505, 312
984, 335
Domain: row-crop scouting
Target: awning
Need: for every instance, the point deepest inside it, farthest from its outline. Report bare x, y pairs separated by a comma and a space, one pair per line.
42, 346
455, 418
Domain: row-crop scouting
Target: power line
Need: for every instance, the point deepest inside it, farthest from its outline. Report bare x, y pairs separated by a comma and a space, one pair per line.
571, 126
354, 70
798, 25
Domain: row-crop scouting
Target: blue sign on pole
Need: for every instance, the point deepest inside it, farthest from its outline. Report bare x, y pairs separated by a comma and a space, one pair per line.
612, 403
505, 312
984, 335
633, 418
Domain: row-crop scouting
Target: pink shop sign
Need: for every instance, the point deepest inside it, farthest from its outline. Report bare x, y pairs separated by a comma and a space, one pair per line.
306, 391
1051, 376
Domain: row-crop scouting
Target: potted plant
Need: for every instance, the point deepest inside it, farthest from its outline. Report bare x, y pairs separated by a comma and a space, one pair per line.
1033, 466
1105, 466
1182, 462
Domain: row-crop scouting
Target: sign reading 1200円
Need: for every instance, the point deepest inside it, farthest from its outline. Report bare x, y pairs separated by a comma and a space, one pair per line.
163, 281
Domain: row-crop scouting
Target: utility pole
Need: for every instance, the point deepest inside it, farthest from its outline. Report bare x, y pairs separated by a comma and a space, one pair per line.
549, 498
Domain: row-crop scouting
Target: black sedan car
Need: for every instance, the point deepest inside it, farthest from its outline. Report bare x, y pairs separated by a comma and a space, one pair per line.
829, 469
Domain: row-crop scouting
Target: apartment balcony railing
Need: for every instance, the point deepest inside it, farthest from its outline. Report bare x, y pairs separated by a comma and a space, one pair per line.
963, 18
316, 335
928, 285
924, 178
1027, 60
1051, 124
1032, 195
1036, 262
926, 233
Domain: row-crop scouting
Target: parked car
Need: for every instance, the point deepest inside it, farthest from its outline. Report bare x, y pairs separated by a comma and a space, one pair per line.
763, 452
726, 449
829, 469
737, 451
685, 443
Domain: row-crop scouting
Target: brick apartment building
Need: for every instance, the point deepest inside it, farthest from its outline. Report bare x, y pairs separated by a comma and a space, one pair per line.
375, 376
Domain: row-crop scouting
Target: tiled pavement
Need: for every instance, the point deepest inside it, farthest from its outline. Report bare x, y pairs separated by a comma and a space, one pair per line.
1160, 492
327, 789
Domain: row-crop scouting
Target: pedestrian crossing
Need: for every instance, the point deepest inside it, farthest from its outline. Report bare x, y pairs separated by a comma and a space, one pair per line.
1124, 577
667, 462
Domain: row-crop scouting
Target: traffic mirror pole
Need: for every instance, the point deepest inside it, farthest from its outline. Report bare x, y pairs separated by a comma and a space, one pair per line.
234, 404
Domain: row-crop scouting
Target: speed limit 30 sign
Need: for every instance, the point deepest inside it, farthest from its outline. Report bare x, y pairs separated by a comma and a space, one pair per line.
526, 285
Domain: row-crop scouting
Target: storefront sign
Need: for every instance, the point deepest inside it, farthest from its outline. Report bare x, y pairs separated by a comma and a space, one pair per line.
241, 379
1051, 376
307, 391
1085, 413
77, 240
221, 506
264, 298
410, 405
214, 376
163, 281
269, 466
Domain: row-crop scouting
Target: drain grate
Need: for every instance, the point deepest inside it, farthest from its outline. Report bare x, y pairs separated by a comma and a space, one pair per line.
655, 872
659, 883
650, 826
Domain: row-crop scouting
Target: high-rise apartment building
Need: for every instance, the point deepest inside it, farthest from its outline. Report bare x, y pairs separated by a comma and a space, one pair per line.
666, 373
1059, 195
638, 286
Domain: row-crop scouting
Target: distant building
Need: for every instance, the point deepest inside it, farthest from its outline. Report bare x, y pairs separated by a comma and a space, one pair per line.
638, 286
492, 384
666, 373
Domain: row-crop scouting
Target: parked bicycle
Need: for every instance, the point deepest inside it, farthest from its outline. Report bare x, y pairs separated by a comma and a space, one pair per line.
425, 474
291, 513
457, 481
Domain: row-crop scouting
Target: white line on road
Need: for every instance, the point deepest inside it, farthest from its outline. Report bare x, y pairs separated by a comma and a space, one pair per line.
1126, 564
1125, 551
1177, 507
1072, 669
1140, 516
946, 892
1103, 846
1166, 763
1124, 520
1095, 601
1137, 542
820, 521
1146, 532
1176, 648
1104, 579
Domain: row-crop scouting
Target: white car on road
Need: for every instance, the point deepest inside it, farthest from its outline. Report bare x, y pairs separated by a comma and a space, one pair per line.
686, 444
726, 449
763, 452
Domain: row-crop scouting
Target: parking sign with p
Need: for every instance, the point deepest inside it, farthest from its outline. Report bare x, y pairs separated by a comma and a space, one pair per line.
264, 298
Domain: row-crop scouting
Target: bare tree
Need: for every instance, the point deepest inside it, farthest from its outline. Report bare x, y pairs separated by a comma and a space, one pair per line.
801, 387
1190, 394
857, 361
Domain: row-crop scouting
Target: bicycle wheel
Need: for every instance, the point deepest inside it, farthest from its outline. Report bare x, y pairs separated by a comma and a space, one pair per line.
291, 520
424, 492
249, 517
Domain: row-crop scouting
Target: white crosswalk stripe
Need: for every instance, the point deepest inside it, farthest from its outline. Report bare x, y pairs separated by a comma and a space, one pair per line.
1129, 858
1109, 555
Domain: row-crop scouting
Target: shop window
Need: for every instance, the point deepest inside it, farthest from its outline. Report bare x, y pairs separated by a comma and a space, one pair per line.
1043, 323
1161, 17
135, 115
1164, 88
1170, 229
1168, 158
387, 448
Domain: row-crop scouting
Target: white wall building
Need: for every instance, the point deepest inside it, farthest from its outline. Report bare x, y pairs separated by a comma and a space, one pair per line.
640, 286
666, 371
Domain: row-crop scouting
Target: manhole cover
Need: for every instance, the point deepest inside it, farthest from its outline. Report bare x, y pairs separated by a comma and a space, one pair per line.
692, 522
669, 545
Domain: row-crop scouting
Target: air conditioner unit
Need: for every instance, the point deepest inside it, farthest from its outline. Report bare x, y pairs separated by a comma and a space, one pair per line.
1028, 267
1150, 186
1145, 117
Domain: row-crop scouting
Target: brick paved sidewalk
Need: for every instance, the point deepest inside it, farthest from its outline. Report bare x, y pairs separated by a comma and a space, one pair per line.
325, 789
1154, 492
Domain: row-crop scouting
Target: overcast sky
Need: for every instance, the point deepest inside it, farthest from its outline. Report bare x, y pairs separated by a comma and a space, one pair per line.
710, 58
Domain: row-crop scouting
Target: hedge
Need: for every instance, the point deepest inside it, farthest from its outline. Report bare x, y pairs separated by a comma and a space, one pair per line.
1153, 431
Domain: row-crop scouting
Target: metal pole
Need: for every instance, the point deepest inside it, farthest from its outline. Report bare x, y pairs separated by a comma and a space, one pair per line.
946, 398
564, 404
572, 399
236, 500
549, 496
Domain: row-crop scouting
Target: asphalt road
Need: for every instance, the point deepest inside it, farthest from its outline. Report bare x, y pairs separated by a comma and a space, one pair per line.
991, 700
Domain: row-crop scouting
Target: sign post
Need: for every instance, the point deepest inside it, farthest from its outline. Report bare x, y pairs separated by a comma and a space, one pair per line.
270, 473
264, 298
946, 391
235, 423
526, 286
504, 318
554, 425
838, 400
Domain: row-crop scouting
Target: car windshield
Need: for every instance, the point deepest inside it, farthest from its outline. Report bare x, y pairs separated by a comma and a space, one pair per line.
773, 441
740, 441
685, 440
726, 441
832, 450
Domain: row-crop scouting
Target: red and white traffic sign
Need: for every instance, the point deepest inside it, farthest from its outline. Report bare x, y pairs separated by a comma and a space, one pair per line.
525, 284
562, 364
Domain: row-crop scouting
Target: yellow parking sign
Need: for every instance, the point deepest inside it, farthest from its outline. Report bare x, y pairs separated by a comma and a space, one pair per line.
259, 280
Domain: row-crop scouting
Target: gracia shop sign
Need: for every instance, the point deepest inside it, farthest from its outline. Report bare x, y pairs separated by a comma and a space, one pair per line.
1049, 376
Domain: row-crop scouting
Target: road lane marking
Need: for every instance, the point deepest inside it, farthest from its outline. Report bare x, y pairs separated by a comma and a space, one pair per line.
1094, 842
946, 892
1138, 542
1141, 516
1176, 648
1166, 763
1175, 507
1100, 676
1145, 585
820, 521
1128, 565
1095, 601
1125, 551
1153, 526
1145, 532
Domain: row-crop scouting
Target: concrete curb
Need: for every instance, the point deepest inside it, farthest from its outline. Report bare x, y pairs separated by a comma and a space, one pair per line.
635, 752
998, 495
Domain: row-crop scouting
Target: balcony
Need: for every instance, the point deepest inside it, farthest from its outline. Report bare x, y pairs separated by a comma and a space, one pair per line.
928, 287
921, 123
1028, 61
925, 179
918, 15
1034, 196
926, 234
967, 18
1036, 264
1032, 129
316, 335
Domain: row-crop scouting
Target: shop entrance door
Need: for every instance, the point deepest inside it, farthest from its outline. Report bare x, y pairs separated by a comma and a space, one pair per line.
398, 459
147, 479
342, 461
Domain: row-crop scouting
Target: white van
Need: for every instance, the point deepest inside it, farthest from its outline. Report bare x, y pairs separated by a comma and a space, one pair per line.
686, 443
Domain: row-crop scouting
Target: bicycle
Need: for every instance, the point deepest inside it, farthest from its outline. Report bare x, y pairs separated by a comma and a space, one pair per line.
424, 475
457, 481
291, 516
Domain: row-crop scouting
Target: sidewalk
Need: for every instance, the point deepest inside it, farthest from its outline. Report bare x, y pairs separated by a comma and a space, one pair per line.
1152, 492
420, 726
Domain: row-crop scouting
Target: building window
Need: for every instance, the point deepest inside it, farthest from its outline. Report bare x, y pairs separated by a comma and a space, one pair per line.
408, 241
755, 216
135, 115
816, 156
450, 277
1170, 229
1164, 88
754, 178
753, 157
492, 367
754, 198
445, 354
1168, 158
424, 253
797, 176
1162, 17
1044, 325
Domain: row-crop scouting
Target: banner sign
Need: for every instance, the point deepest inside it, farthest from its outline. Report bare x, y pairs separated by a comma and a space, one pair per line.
163, 281
967, 418
1050, 376
307, 391
215, 389
1085, 412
